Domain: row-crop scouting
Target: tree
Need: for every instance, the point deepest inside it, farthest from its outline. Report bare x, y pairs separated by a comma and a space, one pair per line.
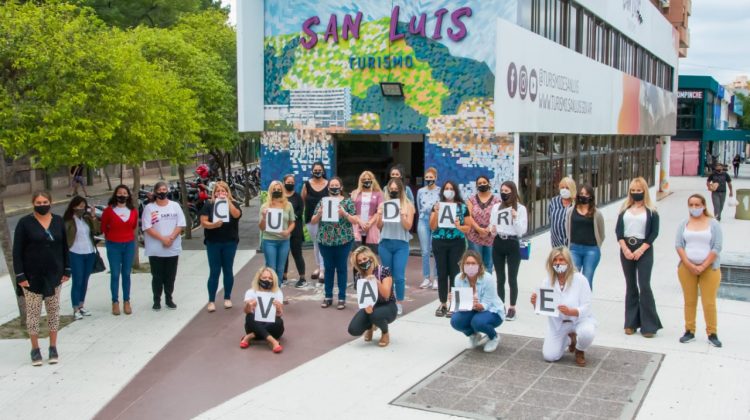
132, 13
744, 121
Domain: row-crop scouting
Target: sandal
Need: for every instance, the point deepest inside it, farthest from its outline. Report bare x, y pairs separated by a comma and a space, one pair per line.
315, 274
326, 303
244, 344
278, 349
448, 314
341, 305
441, 311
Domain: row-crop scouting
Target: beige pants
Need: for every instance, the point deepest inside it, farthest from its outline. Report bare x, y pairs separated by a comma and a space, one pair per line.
708, 282
34, 310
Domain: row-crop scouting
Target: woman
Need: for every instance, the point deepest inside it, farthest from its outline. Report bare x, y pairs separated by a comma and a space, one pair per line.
557, 209
584, 227
335, 240
506, 246
265, 281
221, 243
636, 230
575, 326
449, 243
381, 314
427, 196
480, 207
736, 164
395, 237
276, 244
298, 235
367, 197
313, 191
487, 310
80, 227
698, 243
40, 260
397, 171
119, 221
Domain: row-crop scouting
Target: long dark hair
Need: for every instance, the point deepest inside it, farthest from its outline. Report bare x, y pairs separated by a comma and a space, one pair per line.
322, 168
514, 199
75, 202
113, 200
457, 198
592, 200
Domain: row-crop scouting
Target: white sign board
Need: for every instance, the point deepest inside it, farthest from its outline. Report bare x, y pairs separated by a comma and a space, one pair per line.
367, 292
274, 219
221, 211
265, 310
546, 302
330, 209
501, 217
462, 299
447, 215
392, 211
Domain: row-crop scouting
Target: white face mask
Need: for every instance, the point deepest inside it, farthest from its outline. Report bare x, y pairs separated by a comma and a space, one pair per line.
560, 268
449, 194
565, 193
471, 270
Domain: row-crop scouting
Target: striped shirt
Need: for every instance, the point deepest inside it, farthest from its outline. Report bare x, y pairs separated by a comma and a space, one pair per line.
556, 214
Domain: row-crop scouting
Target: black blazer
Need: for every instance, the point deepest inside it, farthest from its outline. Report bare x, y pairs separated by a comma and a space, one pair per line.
652, 226
40, 257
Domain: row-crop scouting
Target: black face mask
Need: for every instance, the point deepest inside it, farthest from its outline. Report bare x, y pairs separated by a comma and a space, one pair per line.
429, 182
42, 210
80, 212
365, 265
276, 194
318, 174
505, 196
161, 195
289, 187
583, 200
265, 284
393, 194
483, 188
637, 197
122, 199
334, 191
367, 184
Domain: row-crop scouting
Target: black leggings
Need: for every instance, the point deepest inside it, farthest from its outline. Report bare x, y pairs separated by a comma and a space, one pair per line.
295, 248
447, 253
506, 250
382, 315
263, 329
163, 274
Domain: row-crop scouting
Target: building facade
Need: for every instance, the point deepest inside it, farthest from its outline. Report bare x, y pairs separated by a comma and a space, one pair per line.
519, 90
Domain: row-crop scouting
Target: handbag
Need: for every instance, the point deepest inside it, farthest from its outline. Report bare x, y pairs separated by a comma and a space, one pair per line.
525, 249
98, 264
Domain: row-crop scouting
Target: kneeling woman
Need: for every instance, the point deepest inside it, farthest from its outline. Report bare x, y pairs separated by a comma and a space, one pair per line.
488, 310
384, 311
575, 326
265, 280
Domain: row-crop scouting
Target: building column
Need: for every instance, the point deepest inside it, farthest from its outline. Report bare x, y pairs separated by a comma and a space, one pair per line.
666, 142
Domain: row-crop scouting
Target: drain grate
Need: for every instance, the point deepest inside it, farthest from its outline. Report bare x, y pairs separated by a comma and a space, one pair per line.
735, 276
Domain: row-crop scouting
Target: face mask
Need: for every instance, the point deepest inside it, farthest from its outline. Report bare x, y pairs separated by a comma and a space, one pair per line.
505, 196
564, 193
367, 184
42, 210
275, 194
289, 187
583, 200
471, 270
483, 188
80, 212
449, 194
637, 197
393, 194
429, 182
365, 265
265, 284
318, 174
696, 212
161, 195
334, 191
560, 268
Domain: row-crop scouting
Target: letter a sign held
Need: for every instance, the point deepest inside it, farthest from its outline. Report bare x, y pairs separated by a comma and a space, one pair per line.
367, 292
265, 311
274, 218
447, 215
546, 302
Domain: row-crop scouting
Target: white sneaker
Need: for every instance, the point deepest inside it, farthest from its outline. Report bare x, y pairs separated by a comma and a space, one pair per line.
477, 340
77, 315
84, 312
492, 344
399, 309
434, 285
425, 284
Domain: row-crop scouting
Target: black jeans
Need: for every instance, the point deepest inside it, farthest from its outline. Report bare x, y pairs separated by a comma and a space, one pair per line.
718, 199
447, 254
382, 315
506, 251
295, 248
163, 274
640, 307
263, 329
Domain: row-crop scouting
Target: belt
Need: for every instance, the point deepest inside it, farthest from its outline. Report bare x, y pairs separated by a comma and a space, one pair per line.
633, 241
567, 320
505, 237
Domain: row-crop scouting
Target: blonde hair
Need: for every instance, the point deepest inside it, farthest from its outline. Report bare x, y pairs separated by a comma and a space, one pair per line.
642, 184
375, 185
283, 198
571, 185
255, 283
363, 250
560, 251
403, 199
431, 169
470, 253
224, 186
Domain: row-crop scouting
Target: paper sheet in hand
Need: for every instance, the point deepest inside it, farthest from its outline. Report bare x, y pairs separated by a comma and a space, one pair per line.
265, 311
274, 219
330, 209
447, 215
462, 299
547, 301
367, 292
221, 211
392, 211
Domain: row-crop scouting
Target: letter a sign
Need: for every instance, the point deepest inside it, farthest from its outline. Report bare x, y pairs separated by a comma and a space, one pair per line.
546, 302
274, 219
265, 311
367, 292
447, 215
221, 211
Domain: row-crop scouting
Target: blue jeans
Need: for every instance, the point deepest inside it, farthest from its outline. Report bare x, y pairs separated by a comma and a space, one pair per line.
81, 266
335, 260
275, 253
425, 245
120, 256
470, 322
485, 251
394, 254
586, 258
220, 258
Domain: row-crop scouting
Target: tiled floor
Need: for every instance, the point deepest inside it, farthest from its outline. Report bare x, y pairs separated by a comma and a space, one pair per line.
515, 382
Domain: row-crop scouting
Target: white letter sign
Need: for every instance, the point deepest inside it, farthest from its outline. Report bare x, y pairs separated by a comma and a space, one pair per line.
367, 292
392, 211
462, 299
447, 215
265, 311
546, 302
330, 209
274, 218
221, 211
501, 217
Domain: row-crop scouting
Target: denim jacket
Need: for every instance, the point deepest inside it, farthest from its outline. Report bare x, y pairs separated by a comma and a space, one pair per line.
486, 292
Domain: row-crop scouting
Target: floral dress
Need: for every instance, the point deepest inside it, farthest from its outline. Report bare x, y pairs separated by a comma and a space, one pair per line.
336, 233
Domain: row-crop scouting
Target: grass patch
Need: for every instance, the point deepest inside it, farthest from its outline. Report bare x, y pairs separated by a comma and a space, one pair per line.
12, 330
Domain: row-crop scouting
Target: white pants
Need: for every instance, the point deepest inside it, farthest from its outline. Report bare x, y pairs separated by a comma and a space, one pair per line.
556, 341
313, 230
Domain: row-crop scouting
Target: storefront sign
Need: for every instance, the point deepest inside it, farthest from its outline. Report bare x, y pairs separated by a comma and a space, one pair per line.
690, 94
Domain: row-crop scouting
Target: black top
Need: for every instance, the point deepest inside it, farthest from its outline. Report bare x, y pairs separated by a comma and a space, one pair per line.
652, 226
40, 256
736, 161
722, 178
380, 273
299, 207
312, 200
582, 230
228, 232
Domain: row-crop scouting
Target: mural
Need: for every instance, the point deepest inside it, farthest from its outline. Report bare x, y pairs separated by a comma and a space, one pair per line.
325, 59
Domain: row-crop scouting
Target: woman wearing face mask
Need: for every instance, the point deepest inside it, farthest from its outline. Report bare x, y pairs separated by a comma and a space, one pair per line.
584, 227
506, 245
80, 227
397, 171
449, 243
119, 221
368, 319
427, 196
221, 243
335, 239
558, 206
637, 229
276, 244
699, 241
367, 197
395, 237
313, 191
487, 311
40, 260
267, 281
574, 328
298, 235
480, 207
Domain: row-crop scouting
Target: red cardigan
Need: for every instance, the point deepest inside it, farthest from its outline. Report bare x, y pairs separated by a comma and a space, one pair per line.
115, 230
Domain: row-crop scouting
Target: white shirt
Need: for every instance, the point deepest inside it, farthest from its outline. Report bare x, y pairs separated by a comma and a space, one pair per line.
82, 244
253, 295
517, 227
364, 207
635, 224
576, 295
697, 245
123, 212
164, 219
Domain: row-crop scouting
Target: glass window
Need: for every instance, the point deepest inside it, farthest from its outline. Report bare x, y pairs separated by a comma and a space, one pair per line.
558, 145
526, 145
542, 146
